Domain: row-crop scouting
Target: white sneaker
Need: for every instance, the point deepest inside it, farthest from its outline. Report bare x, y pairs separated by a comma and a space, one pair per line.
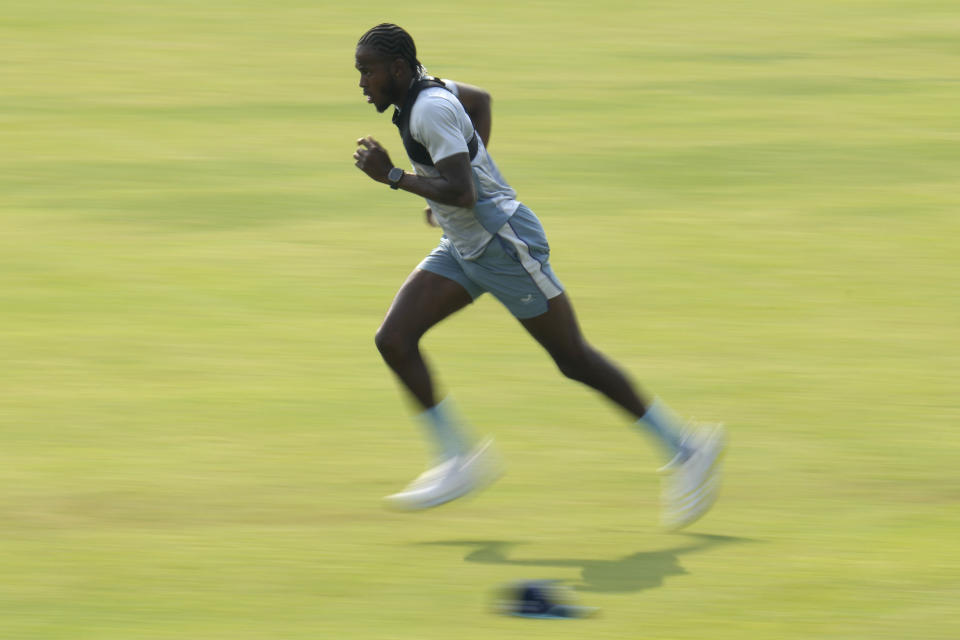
449, 480
691, 484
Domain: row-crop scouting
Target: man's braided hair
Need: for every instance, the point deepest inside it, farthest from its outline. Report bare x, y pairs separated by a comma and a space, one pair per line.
392, 42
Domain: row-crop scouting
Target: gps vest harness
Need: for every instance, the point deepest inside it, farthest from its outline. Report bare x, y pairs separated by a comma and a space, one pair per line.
401, 117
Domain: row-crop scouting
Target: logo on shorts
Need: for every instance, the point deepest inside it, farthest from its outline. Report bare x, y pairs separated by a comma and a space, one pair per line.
527, 299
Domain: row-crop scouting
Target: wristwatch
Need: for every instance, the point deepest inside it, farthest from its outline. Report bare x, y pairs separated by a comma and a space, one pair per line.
394, 177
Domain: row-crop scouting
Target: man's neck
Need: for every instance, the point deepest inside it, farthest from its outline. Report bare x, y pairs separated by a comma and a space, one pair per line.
403, 98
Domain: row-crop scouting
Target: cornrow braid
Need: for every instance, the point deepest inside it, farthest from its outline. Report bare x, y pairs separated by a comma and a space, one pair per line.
393, 42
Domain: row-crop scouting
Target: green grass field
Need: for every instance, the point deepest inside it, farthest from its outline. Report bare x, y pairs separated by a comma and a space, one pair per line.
755, 210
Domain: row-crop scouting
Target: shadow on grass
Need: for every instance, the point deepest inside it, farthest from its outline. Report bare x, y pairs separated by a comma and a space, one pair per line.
635, 572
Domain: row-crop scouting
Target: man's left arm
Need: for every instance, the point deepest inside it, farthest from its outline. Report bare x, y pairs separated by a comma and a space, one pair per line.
477, 103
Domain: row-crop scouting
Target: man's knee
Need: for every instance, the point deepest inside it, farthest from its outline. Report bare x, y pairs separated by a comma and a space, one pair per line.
575, 363
392, 344
385, 340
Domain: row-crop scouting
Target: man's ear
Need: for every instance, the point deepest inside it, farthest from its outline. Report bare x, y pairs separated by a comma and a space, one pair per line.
397, 67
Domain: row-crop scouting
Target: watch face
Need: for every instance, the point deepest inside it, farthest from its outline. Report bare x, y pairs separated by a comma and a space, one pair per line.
395, 174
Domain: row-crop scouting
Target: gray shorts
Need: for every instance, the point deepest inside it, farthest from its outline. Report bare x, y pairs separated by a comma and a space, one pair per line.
515, 266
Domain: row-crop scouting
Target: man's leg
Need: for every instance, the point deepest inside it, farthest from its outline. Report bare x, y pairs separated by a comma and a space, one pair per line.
424, 300
693, 475
558, 332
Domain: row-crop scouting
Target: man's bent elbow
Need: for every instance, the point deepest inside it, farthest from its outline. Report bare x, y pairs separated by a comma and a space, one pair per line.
468, 198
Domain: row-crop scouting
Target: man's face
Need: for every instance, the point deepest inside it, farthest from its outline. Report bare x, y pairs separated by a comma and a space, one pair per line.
376, 79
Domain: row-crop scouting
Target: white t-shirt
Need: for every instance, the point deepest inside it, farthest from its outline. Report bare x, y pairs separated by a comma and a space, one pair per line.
439, 122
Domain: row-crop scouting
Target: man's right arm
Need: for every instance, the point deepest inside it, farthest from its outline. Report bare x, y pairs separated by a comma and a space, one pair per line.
476, 102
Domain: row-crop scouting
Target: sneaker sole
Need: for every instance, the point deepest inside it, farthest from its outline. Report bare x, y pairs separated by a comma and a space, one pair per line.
480, 480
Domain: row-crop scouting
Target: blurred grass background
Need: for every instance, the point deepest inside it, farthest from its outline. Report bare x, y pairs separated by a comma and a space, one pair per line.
754, 209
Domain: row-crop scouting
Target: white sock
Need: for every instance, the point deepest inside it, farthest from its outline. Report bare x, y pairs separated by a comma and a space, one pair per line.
445, 429
665, 426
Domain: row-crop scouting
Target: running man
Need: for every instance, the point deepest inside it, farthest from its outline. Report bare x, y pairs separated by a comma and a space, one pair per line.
491, 242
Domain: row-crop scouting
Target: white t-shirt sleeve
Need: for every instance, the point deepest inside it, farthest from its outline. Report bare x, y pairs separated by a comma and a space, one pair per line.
436, 122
